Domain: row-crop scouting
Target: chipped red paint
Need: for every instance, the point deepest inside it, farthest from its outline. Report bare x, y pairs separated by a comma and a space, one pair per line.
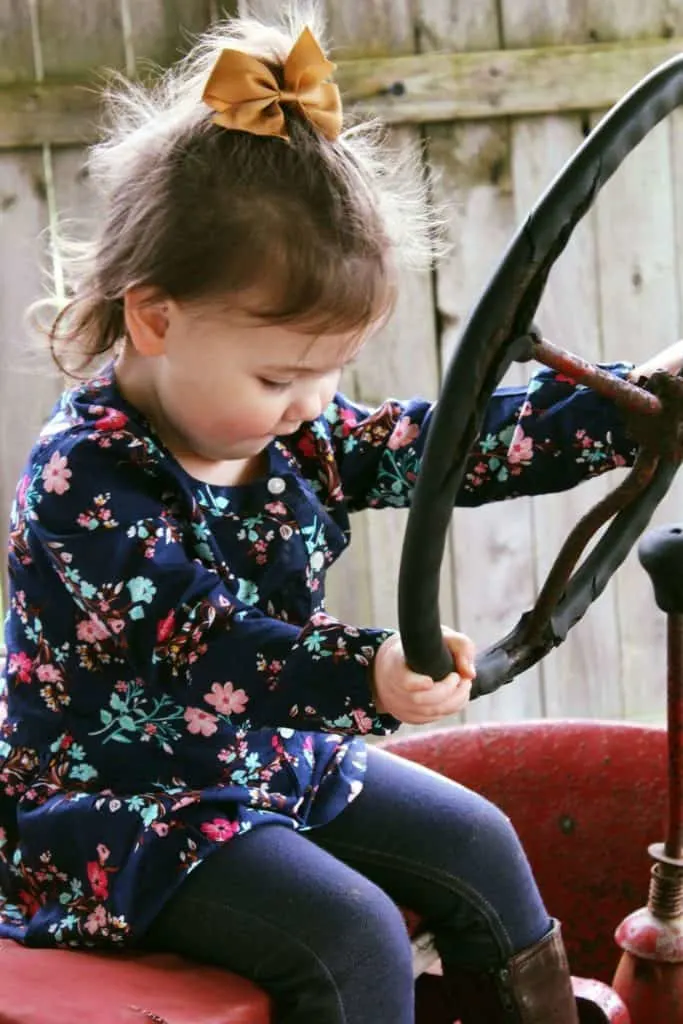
600, 997
651, 938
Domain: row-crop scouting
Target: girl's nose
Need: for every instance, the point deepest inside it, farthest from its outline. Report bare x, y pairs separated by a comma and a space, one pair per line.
305, 407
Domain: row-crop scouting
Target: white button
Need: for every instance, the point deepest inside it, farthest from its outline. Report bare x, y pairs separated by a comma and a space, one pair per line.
276, 485
317, 561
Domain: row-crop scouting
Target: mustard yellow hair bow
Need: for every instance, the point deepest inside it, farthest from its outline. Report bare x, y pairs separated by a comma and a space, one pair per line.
245, 93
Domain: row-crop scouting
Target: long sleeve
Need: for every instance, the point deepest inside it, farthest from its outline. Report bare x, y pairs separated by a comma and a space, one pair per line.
145, 588
548, 436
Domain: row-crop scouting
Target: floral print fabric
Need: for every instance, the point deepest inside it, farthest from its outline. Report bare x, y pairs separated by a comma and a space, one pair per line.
173, 679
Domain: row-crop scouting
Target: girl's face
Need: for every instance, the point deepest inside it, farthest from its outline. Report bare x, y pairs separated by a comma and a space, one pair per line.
223, 386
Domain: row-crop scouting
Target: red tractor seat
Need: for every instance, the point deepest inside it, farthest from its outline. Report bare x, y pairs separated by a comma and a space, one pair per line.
586, 797
54, 986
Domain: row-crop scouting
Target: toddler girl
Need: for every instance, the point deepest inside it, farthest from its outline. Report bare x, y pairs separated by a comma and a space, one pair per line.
182, 757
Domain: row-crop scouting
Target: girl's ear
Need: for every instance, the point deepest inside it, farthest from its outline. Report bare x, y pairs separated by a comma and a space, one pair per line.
146, 312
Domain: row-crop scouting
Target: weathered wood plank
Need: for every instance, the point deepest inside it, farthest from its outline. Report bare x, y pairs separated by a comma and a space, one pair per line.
80, 34
76, 201
528, 24
425, 88
16, 42
24, 394
378, 27
580, 678
631, 19
388, 366
491, 545
27, 391
540, 147
639, 309
498, 83
54, 114
160, 31
463, 27
493, 554
640, 313
401, 361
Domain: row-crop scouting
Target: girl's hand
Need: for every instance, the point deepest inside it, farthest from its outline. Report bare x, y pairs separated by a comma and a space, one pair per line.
417, 699
670, 359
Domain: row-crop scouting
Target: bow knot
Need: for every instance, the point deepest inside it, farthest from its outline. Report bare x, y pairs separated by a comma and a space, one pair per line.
246, 95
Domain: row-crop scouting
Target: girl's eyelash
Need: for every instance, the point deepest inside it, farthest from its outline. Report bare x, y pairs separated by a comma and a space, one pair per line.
275, 385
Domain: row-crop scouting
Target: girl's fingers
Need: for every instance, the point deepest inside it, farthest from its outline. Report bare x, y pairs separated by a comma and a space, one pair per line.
457, 702
440, 693
465, 666
414, 683
424, 715
463, 651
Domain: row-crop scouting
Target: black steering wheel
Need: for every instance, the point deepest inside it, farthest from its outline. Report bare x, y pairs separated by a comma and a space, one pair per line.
498, 332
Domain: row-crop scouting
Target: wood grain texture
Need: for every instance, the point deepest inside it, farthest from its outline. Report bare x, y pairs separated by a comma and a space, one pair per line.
27, 388
16, 41
80, 35
640, 313
162, 30
492, 552
569, 314
421, 89
401, 361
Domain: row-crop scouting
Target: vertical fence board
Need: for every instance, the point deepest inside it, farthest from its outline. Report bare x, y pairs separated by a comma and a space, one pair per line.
366, 28
16, 43
493, 557
609, 20
568, 314
526, 23
80, 34
470, 25
25, 396
76, 201
493, 552
401, 360
640, 313
162, 30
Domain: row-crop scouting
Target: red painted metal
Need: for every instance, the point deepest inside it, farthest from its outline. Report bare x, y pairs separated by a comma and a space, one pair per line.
54, 986
653, 989
674, 841
649, 977
598, 1003
586, 797
622, 392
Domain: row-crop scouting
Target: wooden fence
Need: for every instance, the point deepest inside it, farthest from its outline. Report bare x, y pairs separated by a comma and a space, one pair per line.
500, 92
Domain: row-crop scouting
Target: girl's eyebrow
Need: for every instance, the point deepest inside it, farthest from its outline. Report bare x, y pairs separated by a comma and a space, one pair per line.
308, 370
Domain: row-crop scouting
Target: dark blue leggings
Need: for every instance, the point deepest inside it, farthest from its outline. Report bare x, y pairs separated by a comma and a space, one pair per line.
313, 918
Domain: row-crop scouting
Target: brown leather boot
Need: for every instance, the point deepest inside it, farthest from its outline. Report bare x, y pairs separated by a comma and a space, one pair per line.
534, 987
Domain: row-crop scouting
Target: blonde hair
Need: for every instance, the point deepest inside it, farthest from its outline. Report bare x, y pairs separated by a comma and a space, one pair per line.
207, 214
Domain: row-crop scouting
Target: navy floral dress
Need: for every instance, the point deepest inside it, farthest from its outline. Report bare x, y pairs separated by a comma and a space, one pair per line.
172, 678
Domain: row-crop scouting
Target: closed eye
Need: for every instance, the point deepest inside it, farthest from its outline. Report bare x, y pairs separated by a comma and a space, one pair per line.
275, 385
